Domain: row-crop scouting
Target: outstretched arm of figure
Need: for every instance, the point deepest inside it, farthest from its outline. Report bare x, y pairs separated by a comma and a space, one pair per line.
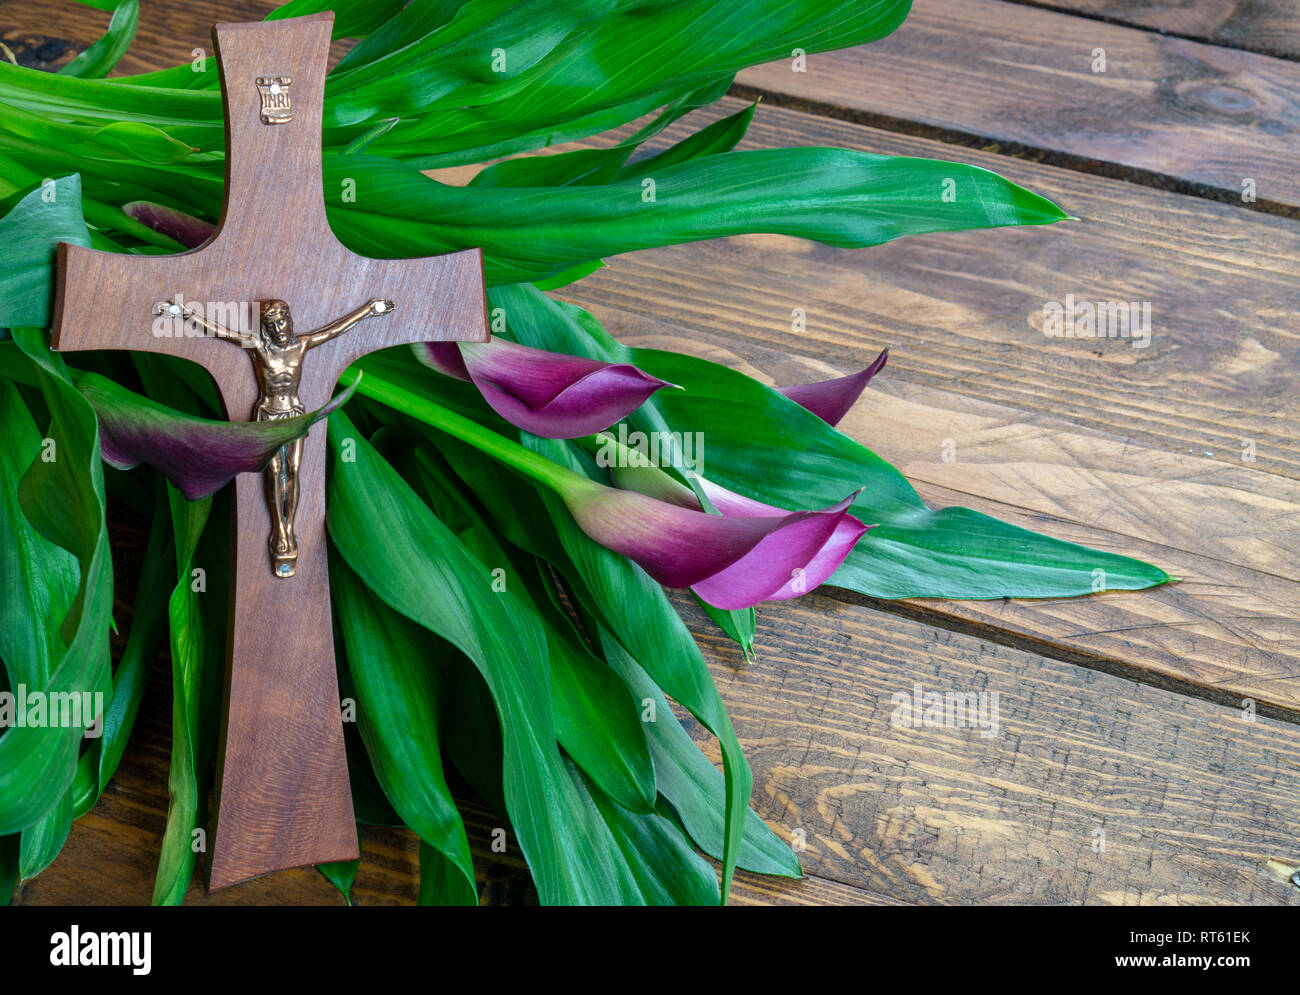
336, 328
212, 328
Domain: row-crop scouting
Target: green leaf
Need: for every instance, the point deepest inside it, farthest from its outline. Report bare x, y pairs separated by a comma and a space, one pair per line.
577, 168
145, 639
752, 431
64, 500
30, 230
500, 68
692, 785
740, 626
571, 275
136, 140
441, 881
38, 579
398, 692
361, 142
104, 54
39, 844
198, 663
8, 868
404, 25
835, 196
595, 716
472, 732
668, 105
368, 801
342, 874
721, 136
166, 375
588, 167
597, 723
667, 870
352, 18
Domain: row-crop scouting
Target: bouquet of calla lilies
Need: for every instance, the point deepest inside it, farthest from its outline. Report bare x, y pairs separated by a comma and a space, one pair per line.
500, 550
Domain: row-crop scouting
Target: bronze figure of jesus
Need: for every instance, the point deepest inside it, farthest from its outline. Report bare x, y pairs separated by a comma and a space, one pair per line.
277, 355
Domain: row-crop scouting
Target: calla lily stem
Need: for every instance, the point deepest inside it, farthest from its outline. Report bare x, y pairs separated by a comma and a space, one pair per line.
558, 478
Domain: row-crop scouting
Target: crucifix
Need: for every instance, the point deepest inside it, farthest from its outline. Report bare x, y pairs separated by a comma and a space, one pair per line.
282, 797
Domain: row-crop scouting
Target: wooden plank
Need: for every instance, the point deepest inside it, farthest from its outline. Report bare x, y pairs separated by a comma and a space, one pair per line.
1138, 451
1093, 789
1167, 111
1268, 26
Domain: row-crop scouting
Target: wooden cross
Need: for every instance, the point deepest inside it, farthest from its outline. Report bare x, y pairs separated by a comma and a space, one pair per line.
282, 797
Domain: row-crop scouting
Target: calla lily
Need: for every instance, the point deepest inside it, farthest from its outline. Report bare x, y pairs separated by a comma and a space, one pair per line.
546, 393
830, 400
751, 552
190, 231
198, 455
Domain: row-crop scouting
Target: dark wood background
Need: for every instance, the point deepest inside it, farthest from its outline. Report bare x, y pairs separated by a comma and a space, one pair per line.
1123, 715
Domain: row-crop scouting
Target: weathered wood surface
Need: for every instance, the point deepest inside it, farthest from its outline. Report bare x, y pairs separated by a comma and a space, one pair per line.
1269, 26
1094, 789
1138, 451
1166, 110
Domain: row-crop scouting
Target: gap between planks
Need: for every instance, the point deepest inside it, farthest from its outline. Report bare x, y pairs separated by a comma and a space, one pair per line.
1271, 27
1192, 117
1012, 149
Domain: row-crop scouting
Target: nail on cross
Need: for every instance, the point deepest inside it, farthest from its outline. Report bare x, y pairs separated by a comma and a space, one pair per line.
282, 797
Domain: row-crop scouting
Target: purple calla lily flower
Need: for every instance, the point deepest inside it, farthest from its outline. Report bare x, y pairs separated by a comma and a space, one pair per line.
199, 456
751, 552
190, 231
847, 531
830, 400
547, 393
